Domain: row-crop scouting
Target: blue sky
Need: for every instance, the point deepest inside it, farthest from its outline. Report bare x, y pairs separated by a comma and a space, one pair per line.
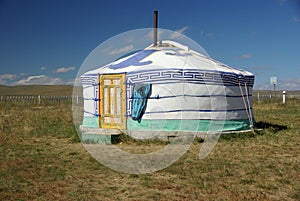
46, 41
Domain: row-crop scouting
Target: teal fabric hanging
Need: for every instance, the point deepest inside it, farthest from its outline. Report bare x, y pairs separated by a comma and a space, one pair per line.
141, 93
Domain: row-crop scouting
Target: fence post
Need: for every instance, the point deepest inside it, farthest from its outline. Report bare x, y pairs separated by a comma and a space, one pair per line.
283, 97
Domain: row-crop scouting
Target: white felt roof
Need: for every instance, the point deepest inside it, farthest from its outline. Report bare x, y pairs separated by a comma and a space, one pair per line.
167, 55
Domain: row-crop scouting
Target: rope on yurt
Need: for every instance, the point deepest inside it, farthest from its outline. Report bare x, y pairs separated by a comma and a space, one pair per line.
248, 109
249, 106
184, 80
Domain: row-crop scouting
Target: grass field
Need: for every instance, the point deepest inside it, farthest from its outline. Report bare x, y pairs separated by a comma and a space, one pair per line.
35, 90
42, 159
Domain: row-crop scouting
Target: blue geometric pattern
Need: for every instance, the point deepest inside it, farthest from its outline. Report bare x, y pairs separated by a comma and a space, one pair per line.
91, 79
189, 76
163, 76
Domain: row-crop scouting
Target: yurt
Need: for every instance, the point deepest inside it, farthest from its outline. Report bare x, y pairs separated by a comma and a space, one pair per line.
165, 89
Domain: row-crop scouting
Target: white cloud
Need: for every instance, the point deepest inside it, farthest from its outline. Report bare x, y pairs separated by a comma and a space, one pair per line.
121, 50
247, 56
289, 84
64, 70
20, 79
166, 34
43, 80
5, 79
296, 19
206, 34
30, 78
43, 68
8, 76
282, 2
178, 33
149, 35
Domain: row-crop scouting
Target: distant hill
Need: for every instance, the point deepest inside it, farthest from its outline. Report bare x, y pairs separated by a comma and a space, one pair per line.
43, 90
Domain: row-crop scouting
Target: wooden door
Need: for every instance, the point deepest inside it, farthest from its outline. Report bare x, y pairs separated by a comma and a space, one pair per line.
112, 101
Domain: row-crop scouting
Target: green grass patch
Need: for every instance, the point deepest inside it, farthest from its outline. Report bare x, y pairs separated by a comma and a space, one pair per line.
42, 159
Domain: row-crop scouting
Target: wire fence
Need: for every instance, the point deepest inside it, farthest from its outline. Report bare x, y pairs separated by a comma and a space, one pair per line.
256, 96
41, 99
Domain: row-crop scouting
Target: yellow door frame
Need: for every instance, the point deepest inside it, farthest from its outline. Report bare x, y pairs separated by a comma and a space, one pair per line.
109, 118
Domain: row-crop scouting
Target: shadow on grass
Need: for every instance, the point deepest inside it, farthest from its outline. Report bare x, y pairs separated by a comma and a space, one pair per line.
237, 136
273, 127
265, 126
261, 127
130, 140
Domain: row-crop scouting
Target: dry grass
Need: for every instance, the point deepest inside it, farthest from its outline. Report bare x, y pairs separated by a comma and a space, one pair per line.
44, 90
41, 159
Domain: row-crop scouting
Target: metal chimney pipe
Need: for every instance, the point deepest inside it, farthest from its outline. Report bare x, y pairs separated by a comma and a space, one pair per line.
155, 28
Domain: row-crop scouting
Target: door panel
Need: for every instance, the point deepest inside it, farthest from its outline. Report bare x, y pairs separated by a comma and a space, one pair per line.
112, 101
